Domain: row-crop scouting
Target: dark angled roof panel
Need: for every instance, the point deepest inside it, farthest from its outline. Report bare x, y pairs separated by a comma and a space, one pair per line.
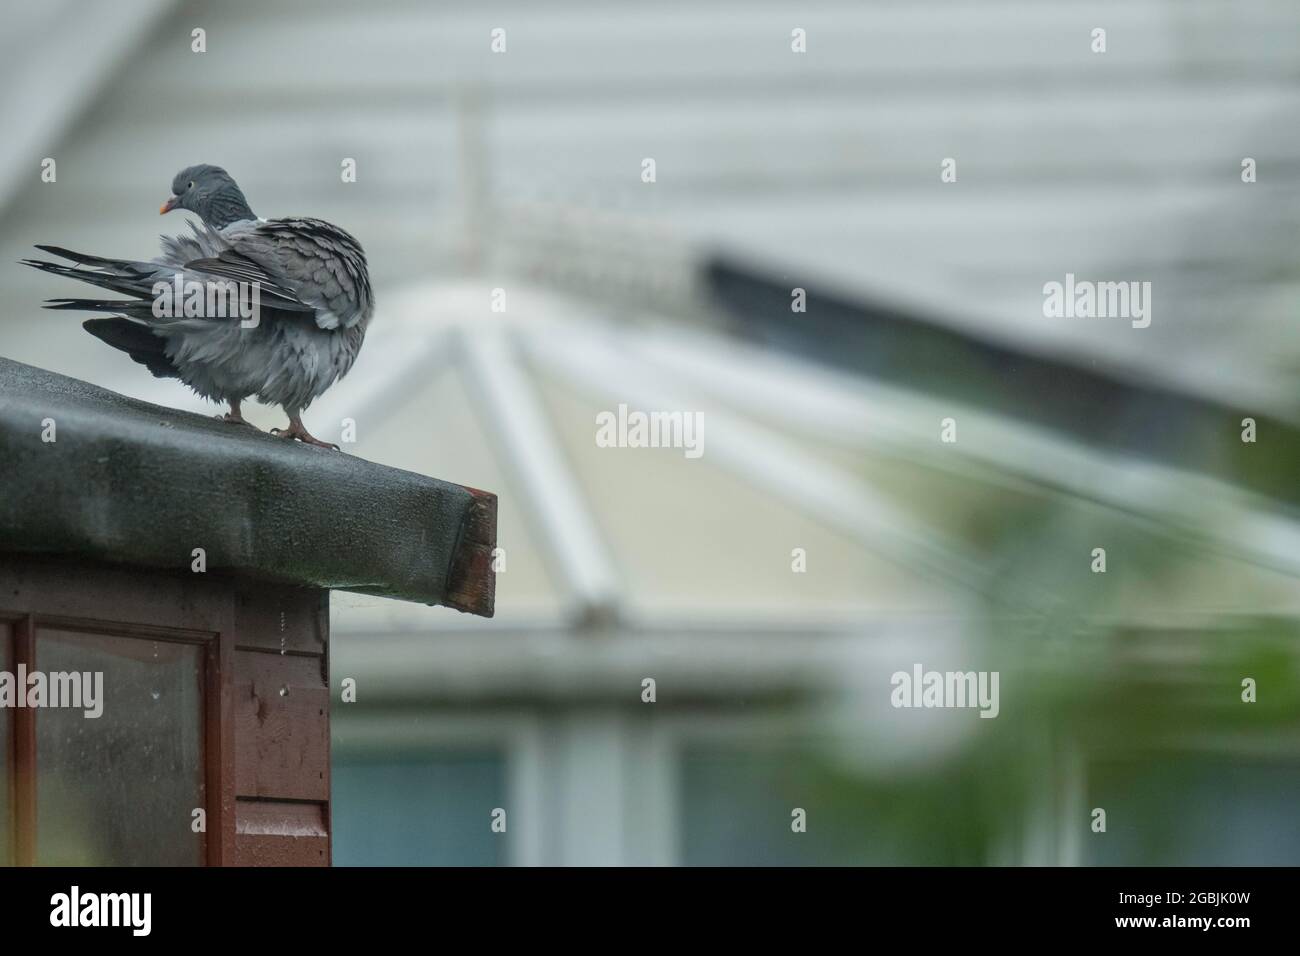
128, 482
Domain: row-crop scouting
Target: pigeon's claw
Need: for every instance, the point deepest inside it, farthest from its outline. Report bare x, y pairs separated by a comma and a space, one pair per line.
235, 415
297, 430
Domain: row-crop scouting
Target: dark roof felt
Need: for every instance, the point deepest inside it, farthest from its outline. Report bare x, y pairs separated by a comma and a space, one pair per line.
128, 482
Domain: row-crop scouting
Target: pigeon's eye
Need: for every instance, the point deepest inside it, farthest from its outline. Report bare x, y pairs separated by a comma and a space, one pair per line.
191, 185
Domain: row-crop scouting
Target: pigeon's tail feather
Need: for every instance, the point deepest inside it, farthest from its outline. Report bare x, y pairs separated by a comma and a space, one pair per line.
136, 341
117, 275
125, 335
129, 307
81, 257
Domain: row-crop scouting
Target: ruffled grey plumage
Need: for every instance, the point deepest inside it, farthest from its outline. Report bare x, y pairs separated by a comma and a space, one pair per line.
315, 297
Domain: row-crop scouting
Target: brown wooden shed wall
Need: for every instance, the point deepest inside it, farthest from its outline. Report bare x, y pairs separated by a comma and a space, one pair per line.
266, 689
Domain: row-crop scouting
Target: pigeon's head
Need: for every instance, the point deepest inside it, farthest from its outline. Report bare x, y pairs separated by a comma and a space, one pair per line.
210, 193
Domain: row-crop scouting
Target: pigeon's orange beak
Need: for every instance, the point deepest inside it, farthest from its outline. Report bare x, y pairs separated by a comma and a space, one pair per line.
169, 205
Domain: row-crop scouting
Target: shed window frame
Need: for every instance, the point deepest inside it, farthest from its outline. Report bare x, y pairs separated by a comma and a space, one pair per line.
217, 717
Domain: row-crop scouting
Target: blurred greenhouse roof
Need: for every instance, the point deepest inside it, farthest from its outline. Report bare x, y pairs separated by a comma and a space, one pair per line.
909, 535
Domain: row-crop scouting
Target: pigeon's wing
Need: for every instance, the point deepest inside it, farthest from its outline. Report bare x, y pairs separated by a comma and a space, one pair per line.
316, 263
138, 279
301, 266
233, 265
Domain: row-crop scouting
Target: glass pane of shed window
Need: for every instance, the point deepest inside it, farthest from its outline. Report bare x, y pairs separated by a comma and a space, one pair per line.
121, 788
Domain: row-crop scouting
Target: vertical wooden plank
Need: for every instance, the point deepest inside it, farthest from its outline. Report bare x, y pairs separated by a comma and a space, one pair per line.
323, 629
219, 740
279, 833
280, 713
281, 719
280, 618
229, 745
25, 752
